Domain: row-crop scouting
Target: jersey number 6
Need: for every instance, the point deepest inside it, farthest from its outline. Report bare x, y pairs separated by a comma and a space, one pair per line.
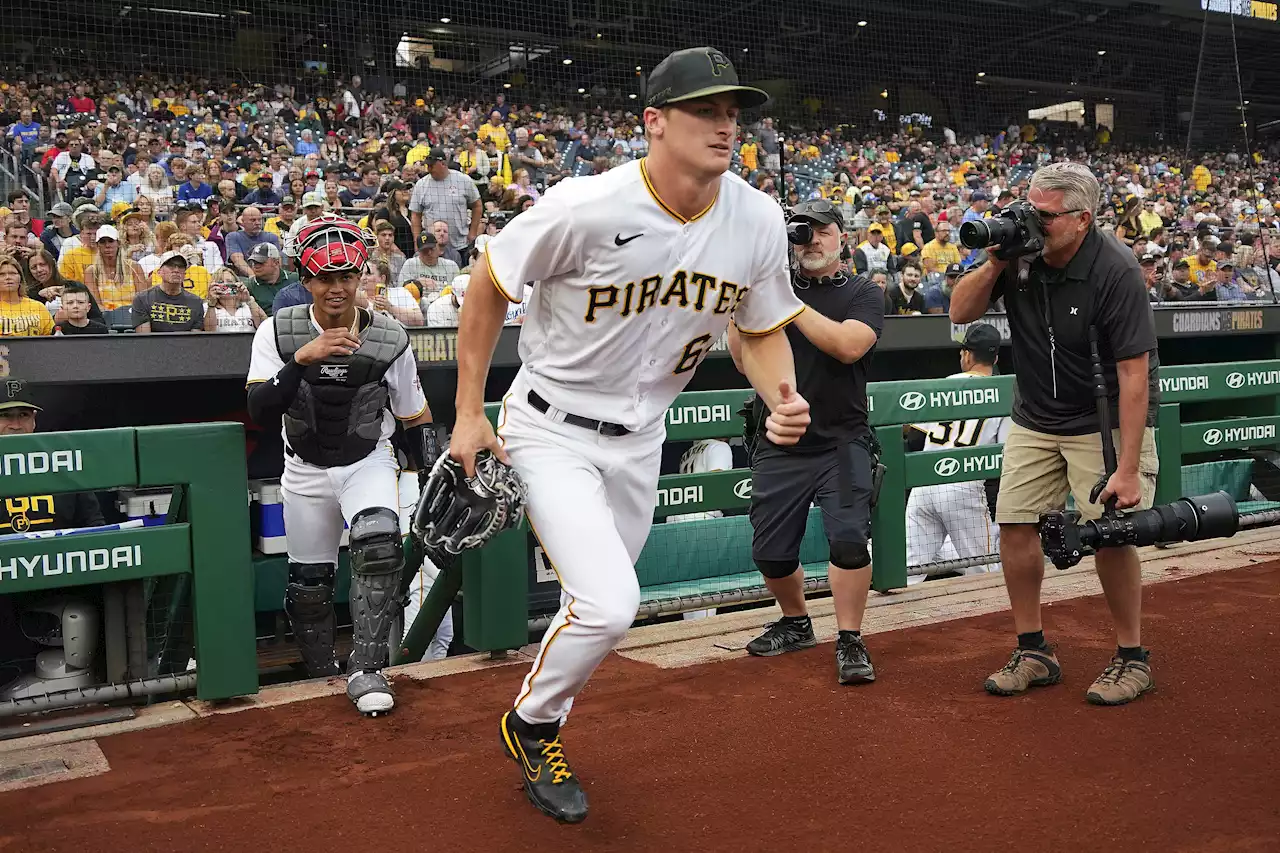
694, 352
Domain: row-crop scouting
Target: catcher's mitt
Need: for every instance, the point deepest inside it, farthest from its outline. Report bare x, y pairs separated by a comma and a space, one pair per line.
456, 512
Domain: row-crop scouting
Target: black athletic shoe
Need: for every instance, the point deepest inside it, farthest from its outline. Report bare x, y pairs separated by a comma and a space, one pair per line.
853, 661
782, 636
548, 781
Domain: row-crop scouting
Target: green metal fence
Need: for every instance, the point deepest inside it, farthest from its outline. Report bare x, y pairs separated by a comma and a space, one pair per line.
209, 542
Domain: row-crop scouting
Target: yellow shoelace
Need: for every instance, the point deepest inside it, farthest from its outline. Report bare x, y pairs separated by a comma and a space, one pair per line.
553, 753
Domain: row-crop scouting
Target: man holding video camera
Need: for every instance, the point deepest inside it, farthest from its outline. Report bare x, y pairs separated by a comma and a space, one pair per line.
1081, 278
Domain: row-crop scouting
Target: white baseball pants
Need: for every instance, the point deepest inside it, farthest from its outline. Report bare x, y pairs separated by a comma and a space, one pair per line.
591, 500
318, 500
438, 648
954, 511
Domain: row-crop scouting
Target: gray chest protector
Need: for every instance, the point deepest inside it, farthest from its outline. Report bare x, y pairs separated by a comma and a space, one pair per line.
336, 418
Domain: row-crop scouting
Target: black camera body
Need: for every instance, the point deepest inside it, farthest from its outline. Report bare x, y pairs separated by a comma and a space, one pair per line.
1012, 233
799, 232
1065, 541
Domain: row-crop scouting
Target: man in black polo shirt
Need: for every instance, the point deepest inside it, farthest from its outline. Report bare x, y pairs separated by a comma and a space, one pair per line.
832, 341
1084, 277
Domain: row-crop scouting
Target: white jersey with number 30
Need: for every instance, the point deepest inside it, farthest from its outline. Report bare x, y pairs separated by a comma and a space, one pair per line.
950, 435
629, 296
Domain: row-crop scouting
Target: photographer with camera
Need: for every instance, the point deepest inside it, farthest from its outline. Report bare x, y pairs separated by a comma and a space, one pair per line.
833, 341
1060, 276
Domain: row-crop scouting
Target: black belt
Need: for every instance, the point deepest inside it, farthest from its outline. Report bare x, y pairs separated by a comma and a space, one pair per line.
602, 427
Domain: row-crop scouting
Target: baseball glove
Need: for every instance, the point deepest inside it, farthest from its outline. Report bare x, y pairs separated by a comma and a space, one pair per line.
456, 512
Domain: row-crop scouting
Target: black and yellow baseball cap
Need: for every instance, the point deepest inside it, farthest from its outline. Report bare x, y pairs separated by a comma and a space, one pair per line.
16, 394
698, 72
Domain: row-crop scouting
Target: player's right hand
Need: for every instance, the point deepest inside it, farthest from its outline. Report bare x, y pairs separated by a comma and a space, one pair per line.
789, 420
330, 342
471, 434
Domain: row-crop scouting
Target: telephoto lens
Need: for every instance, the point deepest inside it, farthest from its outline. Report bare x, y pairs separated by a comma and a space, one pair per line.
981, 233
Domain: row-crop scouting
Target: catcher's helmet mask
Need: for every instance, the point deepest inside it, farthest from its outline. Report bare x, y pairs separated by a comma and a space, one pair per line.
331, 244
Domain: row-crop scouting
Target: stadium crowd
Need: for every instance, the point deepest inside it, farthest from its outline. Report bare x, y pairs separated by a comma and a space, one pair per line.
170, 205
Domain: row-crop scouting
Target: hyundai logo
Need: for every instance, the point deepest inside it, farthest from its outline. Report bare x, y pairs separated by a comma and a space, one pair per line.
947, 467
1212, 436
742, 489
1235, 380
911, 401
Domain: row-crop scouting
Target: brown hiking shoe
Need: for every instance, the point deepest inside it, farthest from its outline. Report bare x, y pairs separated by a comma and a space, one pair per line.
1121, 682
1026, 668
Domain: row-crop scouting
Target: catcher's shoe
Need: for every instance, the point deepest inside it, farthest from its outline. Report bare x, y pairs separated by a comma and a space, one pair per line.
1026, 668
370, 692
549, 783
785, 635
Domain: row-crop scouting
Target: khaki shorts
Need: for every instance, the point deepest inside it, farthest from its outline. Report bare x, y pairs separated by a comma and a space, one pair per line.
1039, 470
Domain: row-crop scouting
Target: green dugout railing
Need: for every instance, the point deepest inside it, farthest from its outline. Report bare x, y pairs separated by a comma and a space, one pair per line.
714, 414
209, 542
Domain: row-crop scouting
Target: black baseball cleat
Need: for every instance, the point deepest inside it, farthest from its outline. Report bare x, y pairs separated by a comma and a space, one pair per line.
785, 635
549, 783
853, 661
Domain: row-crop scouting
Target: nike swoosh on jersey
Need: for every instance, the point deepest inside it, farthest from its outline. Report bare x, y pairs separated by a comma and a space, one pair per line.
619, 240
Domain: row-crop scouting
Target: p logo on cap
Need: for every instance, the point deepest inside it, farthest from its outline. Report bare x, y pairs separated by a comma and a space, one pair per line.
719, 62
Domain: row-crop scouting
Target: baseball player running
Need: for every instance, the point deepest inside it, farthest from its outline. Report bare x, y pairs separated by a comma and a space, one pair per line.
957, 510
638, 273
337, 375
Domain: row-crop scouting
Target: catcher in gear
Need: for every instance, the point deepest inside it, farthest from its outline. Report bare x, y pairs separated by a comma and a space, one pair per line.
339, 377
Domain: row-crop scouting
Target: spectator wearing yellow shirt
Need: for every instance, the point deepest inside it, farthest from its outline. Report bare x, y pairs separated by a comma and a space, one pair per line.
1200, 178
113, 278
884, 217
20, 316
1149, 220
280, 224
939, 252
421, 148
1201, 264
749, 151
77, 252
494, 130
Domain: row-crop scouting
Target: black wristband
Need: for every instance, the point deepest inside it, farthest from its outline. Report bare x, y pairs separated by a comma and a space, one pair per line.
271, 399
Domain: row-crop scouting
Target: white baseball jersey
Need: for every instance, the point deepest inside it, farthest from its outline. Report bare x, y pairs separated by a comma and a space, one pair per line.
950, 435
407, 399
630, 295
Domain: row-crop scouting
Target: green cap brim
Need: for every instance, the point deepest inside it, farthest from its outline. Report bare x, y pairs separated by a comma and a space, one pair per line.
748, 97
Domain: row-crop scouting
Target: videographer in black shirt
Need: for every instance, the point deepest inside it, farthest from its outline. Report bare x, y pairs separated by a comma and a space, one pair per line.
1083, 277
832, 340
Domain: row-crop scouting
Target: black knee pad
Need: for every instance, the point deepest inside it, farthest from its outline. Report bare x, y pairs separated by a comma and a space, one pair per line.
376, 545
850, 555
776, 568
